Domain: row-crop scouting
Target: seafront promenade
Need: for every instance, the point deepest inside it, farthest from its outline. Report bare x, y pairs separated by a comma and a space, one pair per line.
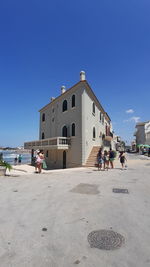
48, 219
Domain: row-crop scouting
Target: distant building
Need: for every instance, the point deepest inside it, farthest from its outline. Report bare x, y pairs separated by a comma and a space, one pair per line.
142, 133
133, 145
73, 127
119, 144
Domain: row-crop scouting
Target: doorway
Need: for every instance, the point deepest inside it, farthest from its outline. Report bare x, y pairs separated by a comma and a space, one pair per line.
64, 159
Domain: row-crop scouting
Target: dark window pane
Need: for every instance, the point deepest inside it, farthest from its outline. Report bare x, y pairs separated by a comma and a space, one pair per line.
64, 107
43, 136
93, 108
64, 131
73, 101
73, 129
43, 117
93, 132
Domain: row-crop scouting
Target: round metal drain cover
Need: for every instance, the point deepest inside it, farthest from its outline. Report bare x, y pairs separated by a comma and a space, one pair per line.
105, 239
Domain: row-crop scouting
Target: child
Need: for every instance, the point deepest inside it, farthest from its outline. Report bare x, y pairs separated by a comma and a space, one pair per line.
100, 159
106, 160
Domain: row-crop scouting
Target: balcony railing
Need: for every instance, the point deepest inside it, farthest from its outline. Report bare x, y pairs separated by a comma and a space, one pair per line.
49, 143
107, 137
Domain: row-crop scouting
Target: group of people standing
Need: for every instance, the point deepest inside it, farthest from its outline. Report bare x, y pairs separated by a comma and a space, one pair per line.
39, 161
106, 158
18, 159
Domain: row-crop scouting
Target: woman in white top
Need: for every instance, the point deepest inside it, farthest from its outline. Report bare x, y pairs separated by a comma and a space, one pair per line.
39, 161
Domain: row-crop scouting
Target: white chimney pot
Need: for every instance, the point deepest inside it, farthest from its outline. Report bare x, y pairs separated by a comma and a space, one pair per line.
63, 89
82, 75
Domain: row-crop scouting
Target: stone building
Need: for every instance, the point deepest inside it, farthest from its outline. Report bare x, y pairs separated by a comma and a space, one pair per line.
73, 127
142, 133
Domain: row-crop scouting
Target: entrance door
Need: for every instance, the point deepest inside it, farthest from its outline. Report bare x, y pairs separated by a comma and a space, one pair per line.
64, 159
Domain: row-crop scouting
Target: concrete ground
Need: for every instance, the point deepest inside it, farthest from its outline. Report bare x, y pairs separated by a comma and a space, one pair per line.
45, 219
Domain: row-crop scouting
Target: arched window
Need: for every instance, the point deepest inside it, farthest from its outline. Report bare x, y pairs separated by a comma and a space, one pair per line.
43, 136
73, 129
100, 116
93, 108
64, 131
103, 119
94, 134
106, 129
64, 106
73, 101
43, 117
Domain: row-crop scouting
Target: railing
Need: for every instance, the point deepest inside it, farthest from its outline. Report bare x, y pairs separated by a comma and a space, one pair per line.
107, 137
49, 143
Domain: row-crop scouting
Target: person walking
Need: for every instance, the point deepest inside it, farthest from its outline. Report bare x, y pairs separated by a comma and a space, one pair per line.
106, 160
122, 159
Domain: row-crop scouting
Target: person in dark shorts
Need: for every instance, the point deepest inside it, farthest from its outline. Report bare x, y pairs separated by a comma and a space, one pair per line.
19, 158
111, 158
122, 159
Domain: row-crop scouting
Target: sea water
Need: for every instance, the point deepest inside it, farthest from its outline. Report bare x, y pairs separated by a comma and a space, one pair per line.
10, 155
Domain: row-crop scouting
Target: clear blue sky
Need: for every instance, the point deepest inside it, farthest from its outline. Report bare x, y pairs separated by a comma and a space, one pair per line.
44, 44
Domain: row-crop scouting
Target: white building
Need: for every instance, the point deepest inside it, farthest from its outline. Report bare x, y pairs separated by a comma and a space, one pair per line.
142, 133
73, 127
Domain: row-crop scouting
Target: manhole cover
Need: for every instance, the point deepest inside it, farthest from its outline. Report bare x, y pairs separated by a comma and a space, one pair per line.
105, 239
119, 190
90, 189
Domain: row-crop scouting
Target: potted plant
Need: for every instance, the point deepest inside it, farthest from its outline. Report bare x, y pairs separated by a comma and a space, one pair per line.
3, 167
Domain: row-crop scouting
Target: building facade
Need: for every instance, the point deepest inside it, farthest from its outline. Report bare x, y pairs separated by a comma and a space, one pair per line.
71, 125
142, 133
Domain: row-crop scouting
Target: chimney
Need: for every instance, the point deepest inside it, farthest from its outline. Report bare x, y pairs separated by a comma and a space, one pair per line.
52, 98
82, 75
63, 89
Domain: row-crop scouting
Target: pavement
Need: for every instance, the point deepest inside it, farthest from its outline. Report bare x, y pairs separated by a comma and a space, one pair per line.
46, 219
